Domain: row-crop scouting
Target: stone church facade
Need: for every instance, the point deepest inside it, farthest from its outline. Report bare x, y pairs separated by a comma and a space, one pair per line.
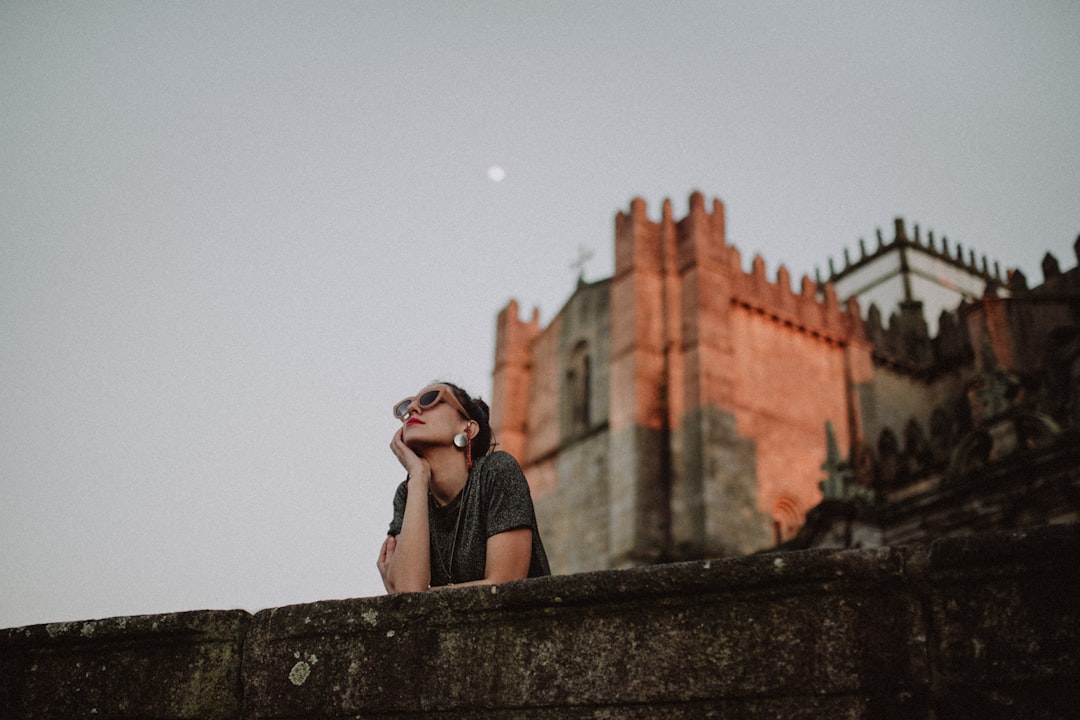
685, 408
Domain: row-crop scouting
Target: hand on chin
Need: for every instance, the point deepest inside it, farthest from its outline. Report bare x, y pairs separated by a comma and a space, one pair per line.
417, 444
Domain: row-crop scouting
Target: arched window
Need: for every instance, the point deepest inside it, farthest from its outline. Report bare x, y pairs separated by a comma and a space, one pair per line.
578, 390
787, 518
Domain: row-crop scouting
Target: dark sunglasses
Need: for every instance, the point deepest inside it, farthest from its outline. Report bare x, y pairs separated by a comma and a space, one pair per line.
428, 400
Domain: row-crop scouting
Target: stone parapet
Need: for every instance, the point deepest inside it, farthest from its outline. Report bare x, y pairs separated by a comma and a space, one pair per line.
178, 665
975, 627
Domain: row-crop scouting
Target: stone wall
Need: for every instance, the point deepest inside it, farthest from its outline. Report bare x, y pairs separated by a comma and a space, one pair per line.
978, 627
179, 665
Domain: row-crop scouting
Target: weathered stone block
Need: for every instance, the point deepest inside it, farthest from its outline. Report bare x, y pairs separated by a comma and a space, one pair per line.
177, 665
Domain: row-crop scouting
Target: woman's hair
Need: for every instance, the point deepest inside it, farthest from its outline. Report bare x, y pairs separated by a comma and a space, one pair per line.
482, 442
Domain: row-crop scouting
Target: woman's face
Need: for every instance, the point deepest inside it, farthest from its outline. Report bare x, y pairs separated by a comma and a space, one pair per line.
434, 425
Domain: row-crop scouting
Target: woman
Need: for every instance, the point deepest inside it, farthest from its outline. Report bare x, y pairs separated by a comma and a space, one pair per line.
464, 515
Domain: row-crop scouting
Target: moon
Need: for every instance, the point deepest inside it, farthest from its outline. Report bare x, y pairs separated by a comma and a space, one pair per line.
496, 173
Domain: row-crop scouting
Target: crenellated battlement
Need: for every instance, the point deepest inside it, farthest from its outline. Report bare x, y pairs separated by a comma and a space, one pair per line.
811, 310
698, 240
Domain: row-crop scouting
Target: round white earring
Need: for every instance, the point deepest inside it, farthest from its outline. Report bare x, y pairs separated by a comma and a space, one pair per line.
461, 440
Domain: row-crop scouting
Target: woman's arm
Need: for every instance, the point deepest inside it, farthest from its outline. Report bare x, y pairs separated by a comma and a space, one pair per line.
508, 556
408, 562
405, 563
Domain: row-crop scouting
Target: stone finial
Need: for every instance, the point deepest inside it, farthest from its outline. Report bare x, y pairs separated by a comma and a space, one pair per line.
841, 479
1017, 280
1050, 267
832, 487
900, 233
873, 317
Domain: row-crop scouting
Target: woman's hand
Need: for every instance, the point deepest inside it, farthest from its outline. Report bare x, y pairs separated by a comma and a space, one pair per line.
383, 563
404, 560
417, 467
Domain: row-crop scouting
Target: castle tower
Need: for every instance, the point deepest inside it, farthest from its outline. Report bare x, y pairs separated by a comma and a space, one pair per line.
678, 408
511, 378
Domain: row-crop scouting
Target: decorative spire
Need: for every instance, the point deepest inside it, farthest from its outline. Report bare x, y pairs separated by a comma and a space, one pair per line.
840, 482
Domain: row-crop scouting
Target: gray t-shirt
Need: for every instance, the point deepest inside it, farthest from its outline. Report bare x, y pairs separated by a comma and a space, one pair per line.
496, 499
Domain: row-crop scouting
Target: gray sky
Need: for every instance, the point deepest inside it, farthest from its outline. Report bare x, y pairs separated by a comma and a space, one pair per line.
232, 234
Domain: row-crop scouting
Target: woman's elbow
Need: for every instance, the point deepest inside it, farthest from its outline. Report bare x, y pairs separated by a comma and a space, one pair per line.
397, 584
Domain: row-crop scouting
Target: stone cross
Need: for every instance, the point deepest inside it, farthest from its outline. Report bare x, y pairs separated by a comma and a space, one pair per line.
584, 255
